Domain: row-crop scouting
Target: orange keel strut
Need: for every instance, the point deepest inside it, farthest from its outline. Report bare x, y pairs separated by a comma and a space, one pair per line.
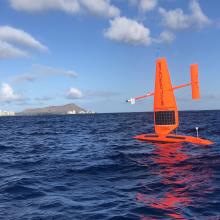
166, 117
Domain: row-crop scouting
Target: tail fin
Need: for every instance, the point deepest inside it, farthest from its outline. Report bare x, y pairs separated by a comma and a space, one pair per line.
194, 71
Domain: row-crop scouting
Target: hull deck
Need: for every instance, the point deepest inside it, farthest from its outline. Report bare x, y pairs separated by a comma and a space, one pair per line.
172, 138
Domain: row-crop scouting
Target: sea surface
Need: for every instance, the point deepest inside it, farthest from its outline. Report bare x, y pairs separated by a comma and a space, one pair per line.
89, 167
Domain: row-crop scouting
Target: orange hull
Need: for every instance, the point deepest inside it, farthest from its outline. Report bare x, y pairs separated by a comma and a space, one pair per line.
172, 138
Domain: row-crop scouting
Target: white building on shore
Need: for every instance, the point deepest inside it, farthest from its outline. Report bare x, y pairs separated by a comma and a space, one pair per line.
73, 112
7, 113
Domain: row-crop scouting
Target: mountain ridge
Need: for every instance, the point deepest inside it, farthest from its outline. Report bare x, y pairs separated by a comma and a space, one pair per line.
55, 109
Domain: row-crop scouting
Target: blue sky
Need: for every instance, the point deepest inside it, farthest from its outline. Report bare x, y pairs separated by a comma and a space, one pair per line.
98, 53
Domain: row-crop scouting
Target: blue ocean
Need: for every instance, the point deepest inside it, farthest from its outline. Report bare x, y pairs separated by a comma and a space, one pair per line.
89, 167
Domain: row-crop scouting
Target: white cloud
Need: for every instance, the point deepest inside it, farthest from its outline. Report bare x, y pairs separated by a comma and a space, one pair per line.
96, 7
176, 19
126, 30
74, 93
147, 5
49, 71
24, 78
143, 5
38, 71
10, 40
9, 51
70, 6
199, 18
13, 35
165, 37
101, 7
8, 95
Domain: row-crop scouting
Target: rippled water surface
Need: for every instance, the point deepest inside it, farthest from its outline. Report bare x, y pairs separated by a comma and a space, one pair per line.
89, 167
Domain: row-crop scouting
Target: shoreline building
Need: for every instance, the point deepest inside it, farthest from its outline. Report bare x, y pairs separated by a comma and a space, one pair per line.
73, 112
7, 113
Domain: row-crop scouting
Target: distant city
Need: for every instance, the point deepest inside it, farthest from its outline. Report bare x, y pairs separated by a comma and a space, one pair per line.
68, 109
73, 112
7, 113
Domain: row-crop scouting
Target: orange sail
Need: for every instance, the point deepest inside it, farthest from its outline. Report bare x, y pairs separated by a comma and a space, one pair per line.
165, 108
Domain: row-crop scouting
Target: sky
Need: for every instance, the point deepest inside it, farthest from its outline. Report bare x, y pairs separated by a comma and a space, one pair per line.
98, 53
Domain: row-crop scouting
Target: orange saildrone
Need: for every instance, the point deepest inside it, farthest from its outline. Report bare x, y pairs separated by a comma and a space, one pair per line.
166, 117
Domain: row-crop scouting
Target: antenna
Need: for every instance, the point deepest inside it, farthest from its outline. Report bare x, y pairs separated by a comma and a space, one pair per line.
197, 132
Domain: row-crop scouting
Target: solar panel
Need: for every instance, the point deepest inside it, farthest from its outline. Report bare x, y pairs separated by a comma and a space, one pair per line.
165, 118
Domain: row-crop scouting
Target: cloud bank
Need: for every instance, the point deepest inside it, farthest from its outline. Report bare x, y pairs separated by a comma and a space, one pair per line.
121, 29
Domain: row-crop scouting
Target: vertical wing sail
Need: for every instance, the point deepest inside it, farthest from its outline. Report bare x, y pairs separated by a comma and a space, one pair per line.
194, 71
165, 108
